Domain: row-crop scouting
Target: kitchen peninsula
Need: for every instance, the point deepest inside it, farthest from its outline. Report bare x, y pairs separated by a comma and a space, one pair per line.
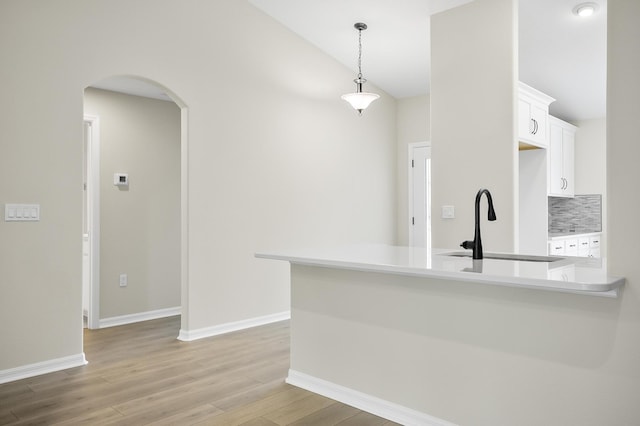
586, 276
377, 326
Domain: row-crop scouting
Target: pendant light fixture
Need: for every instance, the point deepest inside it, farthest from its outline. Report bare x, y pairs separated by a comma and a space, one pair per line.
360, 100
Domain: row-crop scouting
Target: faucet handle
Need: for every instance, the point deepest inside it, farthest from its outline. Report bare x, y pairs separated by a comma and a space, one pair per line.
467, 245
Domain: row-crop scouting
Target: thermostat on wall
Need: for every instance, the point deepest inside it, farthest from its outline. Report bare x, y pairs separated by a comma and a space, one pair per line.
121, 179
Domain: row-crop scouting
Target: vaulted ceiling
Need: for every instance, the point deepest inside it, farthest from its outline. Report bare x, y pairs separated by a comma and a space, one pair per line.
560, 53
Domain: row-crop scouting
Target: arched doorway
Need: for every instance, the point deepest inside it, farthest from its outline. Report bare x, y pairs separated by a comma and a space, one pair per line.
135, 203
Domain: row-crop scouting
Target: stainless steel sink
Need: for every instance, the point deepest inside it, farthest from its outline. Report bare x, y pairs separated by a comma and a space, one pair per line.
507, 256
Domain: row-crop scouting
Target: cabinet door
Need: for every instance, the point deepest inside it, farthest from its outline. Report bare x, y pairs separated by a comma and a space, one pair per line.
556, 179
568, 146
567, 273
561, 161
532, 123
539, 123
524, 120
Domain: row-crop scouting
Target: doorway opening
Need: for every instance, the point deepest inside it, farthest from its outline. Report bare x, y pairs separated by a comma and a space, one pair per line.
419, 220
135, 203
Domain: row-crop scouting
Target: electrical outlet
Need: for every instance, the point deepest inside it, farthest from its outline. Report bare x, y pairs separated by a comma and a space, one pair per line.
123, 280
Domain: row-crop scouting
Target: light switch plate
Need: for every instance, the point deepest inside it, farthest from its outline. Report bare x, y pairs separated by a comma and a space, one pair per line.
22, 212
448, 212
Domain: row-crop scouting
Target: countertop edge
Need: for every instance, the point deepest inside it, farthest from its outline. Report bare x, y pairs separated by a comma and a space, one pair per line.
607, 289
563, 235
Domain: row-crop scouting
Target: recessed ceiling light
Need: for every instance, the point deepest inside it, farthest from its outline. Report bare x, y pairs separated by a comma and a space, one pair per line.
585, 9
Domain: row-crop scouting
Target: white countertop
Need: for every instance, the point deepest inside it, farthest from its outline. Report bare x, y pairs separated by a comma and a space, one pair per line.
569, 274
558, 235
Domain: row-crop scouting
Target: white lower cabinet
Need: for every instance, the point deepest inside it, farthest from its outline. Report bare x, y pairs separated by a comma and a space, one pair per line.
563, 274
585, 245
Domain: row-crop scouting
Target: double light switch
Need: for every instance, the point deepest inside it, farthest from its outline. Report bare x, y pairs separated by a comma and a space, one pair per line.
21, 212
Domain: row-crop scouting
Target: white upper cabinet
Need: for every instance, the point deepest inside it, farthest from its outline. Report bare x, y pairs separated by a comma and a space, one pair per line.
533, 110
561, 158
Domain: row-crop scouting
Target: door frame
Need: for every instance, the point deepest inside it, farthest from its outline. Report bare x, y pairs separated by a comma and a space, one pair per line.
410, 149
93, 219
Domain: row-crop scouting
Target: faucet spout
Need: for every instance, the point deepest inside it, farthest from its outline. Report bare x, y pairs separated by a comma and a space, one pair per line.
476, 244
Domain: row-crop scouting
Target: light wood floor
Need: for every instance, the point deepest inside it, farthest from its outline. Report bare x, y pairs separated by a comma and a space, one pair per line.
140, 374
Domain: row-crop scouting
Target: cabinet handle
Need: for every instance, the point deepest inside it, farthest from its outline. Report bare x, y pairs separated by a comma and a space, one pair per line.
535, 126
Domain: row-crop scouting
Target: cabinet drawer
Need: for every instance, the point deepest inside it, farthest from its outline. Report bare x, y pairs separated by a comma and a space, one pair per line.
571, 247
556, 248
583, 246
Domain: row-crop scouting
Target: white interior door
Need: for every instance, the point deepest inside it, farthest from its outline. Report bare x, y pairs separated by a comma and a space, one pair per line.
91, 222
420, 195
86, 264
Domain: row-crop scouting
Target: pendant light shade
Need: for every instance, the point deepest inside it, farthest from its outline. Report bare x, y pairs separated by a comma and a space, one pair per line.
360, 100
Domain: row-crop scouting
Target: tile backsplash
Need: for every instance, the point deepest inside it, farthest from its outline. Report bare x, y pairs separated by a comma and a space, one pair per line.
582, 214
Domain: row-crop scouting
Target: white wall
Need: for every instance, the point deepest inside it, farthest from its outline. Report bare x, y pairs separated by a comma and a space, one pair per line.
275, 157
140, 225
473, 81
413, 126
591, 165
623, 62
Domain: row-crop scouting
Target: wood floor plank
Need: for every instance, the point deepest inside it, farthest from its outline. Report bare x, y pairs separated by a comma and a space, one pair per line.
252, 395
7, 417
302, 408
190, 417
329, 415
141, 374
245, 413
260, 421
86, 399
183, 396
365, 419
94, 418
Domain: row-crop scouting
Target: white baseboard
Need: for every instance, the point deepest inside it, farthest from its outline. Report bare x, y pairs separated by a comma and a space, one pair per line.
189, 335
142, 316
44, 367
371, 404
